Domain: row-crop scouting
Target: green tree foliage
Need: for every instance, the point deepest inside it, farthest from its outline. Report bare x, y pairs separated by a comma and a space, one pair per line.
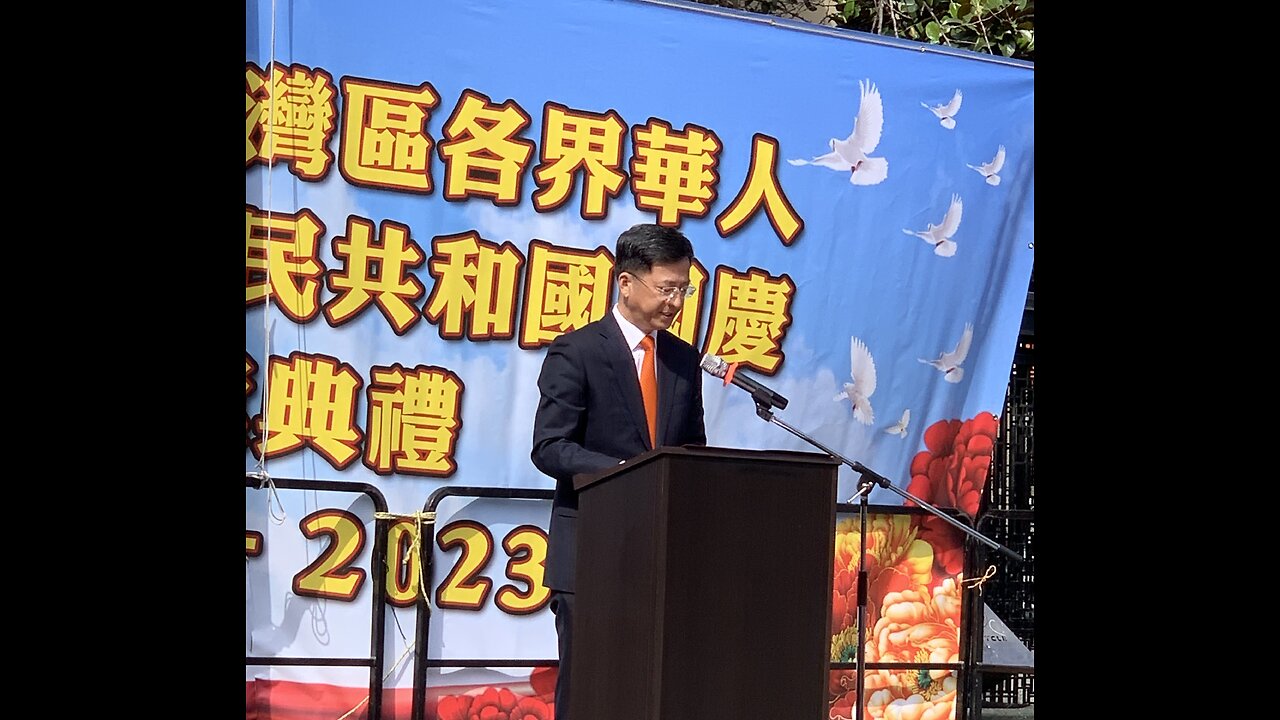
997, 27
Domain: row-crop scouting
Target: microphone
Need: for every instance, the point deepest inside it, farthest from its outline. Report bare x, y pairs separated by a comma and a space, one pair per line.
721, 369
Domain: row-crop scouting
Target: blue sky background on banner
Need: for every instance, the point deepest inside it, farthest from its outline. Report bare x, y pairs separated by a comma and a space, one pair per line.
856, 272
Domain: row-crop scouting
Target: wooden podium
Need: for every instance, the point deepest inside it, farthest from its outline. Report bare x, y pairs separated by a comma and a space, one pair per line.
704, 586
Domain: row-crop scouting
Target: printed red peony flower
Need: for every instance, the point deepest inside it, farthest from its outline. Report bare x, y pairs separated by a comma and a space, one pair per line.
840, 682
948, 546
543, 682
842, 707
492, 704
953, 471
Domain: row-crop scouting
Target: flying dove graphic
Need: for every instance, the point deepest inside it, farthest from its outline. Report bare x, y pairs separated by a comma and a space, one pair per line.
989, 170
851, 154
947, 113
939, 236
862, 369
900, 428
949, 362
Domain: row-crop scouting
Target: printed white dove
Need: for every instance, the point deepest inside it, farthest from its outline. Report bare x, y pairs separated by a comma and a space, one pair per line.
862, 369
900, 428
988, 170
939, 236
949, 362
947, 113
851, 154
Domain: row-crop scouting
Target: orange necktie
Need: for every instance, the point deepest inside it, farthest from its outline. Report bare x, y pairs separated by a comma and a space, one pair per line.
649, 388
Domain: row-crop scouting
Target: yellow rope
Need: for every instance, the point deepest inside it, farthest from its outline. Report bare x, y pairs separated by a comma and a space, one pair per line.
979, 582
418, 518
415, 550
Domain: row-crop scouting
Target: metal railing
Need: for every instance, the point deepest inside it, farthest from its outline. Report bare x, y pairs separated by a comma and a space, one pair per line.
375, 661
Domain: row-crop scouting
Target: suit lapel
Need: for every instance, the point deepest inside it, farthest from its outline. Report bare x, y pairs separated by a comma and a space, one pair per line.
623, 369
666, 384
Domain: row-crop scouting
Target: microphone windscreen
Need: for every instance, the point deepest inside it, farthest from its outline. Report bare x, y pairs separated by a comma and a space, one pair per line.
714, 365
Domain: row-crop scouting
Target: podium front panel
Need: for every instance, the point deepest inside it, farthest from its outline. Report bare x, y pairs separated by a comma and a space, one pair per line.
616, 646
704, 588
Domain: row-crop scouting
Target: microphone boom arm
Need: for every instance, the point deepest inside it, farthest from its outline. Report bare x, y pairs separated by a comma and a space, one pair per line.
870, 477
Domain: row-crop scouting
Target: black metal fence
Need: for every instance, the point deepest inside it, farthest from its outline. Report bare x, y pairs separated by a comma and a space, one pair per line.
1007, 516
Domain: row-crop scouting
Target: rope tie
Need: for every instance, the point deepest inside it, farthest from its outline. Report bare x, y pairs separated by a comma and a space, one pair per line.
415, 549
264, 478
979, 582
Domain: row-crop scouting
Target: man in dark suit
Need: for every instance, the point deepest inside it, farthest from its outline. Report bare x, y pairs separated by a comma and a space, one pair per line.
592, 413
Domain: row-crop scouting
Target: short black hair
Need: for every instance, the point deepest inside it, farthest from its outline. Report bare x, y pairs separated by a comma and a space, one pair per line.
642, 246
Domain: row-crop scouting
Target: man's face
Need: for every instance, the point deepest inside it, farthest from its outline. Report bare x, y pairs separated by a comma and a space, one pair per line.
647, 300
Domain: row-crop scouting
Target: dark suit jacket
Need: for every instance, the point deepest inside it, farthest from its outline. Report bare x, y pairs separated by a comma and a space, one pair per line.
591, 417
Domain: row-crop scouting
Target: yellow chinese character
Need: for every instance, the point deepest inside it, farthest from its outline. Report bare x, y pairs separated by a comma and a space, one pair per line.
476, 280
575, 141
384, 143
311, 400
674, 173
414, 418
250, 368
566, 289
280, 260
762, 188
748, 315
255, 83
481, 154
290, 117
376, 272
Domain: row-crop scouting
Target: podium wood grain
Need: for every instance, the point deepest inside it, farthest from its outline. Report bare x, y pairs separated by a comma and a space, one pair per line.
704, 586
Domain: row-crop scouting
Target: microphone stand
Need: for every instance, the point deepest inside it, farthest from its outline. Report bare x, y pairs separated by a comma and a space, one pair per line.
867, 479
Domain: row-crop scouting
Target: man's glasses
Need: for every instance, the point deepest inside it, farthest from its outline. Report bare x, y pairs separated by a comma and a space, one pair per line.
670, 294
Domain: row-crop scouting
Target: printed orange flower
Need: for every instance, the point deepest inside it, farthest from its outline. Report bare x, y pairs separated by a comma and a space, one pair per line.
492, 704
915, 627
936, 700
919, 627
953, 471
896, 560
